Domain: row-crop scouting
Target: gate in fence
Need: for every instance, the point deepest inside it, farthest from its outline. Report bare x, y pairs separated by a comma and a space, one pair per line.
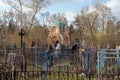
109, 64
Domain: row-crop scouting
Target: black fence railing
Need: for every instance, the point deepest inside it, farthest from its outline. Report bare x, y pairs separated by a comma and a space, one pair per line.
65, 64
37, 64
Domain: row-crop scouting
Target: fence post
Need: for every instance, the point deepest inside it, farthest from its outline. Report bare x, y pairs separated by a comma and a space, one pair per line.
43, 75
117, 52
36, 54
5, 53
98, 56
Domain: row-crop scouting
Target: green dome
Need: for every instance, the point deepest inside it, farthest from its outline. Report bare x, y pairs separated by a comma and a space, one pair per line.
60, 24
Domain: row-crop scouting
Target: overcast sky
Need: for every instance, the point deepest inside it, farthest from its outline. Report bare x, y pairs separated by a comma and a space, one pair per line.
115, 6
69, 7
72, 7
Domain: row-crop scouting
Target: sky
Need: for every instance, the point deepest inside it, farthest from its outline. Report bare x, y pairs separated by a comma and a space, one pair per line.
72, 7
69, 7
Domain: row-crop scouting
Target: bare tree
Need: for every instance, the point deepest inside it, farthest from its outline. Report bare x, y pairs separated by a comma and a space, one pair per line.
45, 17
89, 21
34, 6
104, 13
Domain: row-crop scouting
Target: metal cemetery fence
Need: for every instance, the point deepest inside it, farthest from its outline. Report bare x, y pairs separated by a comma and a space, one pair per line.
37, 64
63, 65
109, 64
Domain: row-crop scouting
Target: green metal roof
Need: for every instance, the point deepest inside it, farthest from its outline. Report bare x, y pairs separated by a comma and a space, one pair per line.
60, 24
